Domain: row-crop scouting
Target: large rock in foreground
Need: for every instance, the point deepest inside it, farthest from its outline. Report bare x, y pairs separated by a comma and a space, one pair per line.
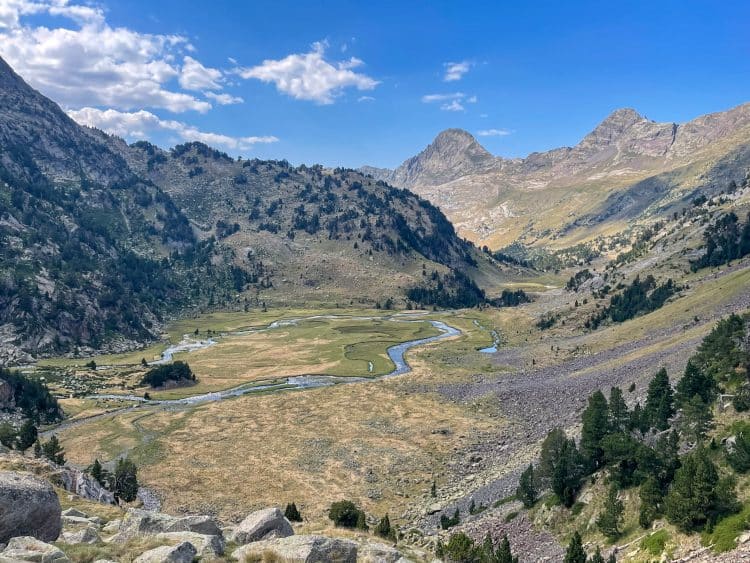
141, 523
26, 548
182, 553
30, 507
262, 525
299, 549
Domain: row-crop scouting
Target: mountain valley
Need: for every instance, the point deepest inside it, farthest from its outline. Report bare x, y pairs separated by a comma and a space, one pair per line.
242, 334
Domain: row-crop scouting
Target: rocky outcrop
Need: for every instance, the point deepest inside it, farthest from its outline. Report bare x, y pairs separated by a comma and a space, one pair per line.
141, 523
27, 548
299, 549
181, 553
379, 553
262, 525
206, 546
84, 485
89, 535
453, 153
7, 399
30, 507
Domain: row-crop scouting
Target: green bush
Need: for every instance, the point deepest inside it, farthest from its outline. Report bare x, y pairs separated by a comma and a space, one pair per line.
346, 514
724, 535
656, 542
177, 371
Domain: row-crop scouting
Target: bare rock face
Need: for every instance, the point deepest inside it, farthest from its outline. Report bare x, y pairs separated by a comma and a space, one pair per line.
88, 535
30, 507
379, 553
299, 549
142, 523
182, 553
453, 153
26, 548
7, 400
85, 486
206, 546
262, 525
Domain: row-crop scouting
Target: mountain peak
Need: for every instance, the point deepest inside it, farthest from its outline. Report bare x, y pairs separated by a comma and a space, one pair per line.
453, 153
618, 126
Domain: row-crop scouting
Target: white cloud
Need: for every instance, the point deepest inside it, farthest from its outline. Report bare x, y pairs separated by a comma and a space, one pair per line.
450, 102
429, 98
494, 132
309, 76
455, 105
141, 124
223, 99
195, 76
456, 71
89, 62
365, 99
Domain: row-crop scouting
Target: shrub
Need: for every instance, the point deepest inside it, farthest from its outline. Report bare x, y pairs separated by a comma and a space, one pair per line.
656, 542
345, 514
177, 371
292, 514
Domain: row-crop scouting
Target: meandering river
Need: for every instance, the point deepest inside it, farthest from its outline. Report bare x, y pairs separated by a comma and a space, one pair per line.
395, 353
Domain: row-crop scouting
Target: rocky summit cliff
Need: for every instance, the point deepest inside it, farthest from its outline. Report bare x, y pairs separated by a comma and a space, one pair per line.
103, 241
626, 167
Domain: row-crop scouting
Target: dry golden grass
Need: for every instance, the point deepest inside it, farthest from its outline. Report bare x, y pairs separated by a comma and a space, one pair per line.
313, 447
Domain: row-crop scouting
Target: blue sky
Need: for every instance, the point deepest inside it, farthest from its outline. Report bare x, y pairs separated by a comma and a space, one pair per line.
351, 83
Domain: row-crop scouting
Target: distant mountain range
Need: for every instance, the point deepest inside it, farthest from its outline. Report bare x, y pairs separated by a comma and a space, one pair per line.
626, 167
101, 241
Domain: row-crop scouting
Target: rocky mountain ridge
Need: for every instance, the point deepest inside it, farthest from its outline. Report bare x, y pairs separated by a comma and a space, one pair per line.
545, 196
103, 241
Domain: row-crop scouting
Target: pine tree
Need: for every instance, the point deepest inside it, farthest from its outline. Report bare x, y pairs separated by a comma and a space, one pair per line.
561, 466
27, 435
695, 381
292, 514
575, 552
619, 416
659, 401
37, 449
125, 480
597, 557
697, 495
610, 519
504, 553
383, 529
595, 426
433, 490
362, 521
739, 457
53, 451
696, 419
651, 500
97, 472
527, 492
612, 558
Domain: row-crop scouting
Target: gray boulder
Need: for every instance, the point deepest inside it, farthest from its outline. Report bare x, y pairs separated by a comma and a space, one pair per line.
30, 507
87, 535
84, 485
142, 523
378, 553
181, 553
206, 546
27, 548
299, 549
262, 525
74, 513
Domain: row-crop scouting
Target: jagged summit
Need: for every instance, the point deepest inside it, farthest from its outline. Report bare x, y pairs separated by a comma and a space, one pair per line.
453, 153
